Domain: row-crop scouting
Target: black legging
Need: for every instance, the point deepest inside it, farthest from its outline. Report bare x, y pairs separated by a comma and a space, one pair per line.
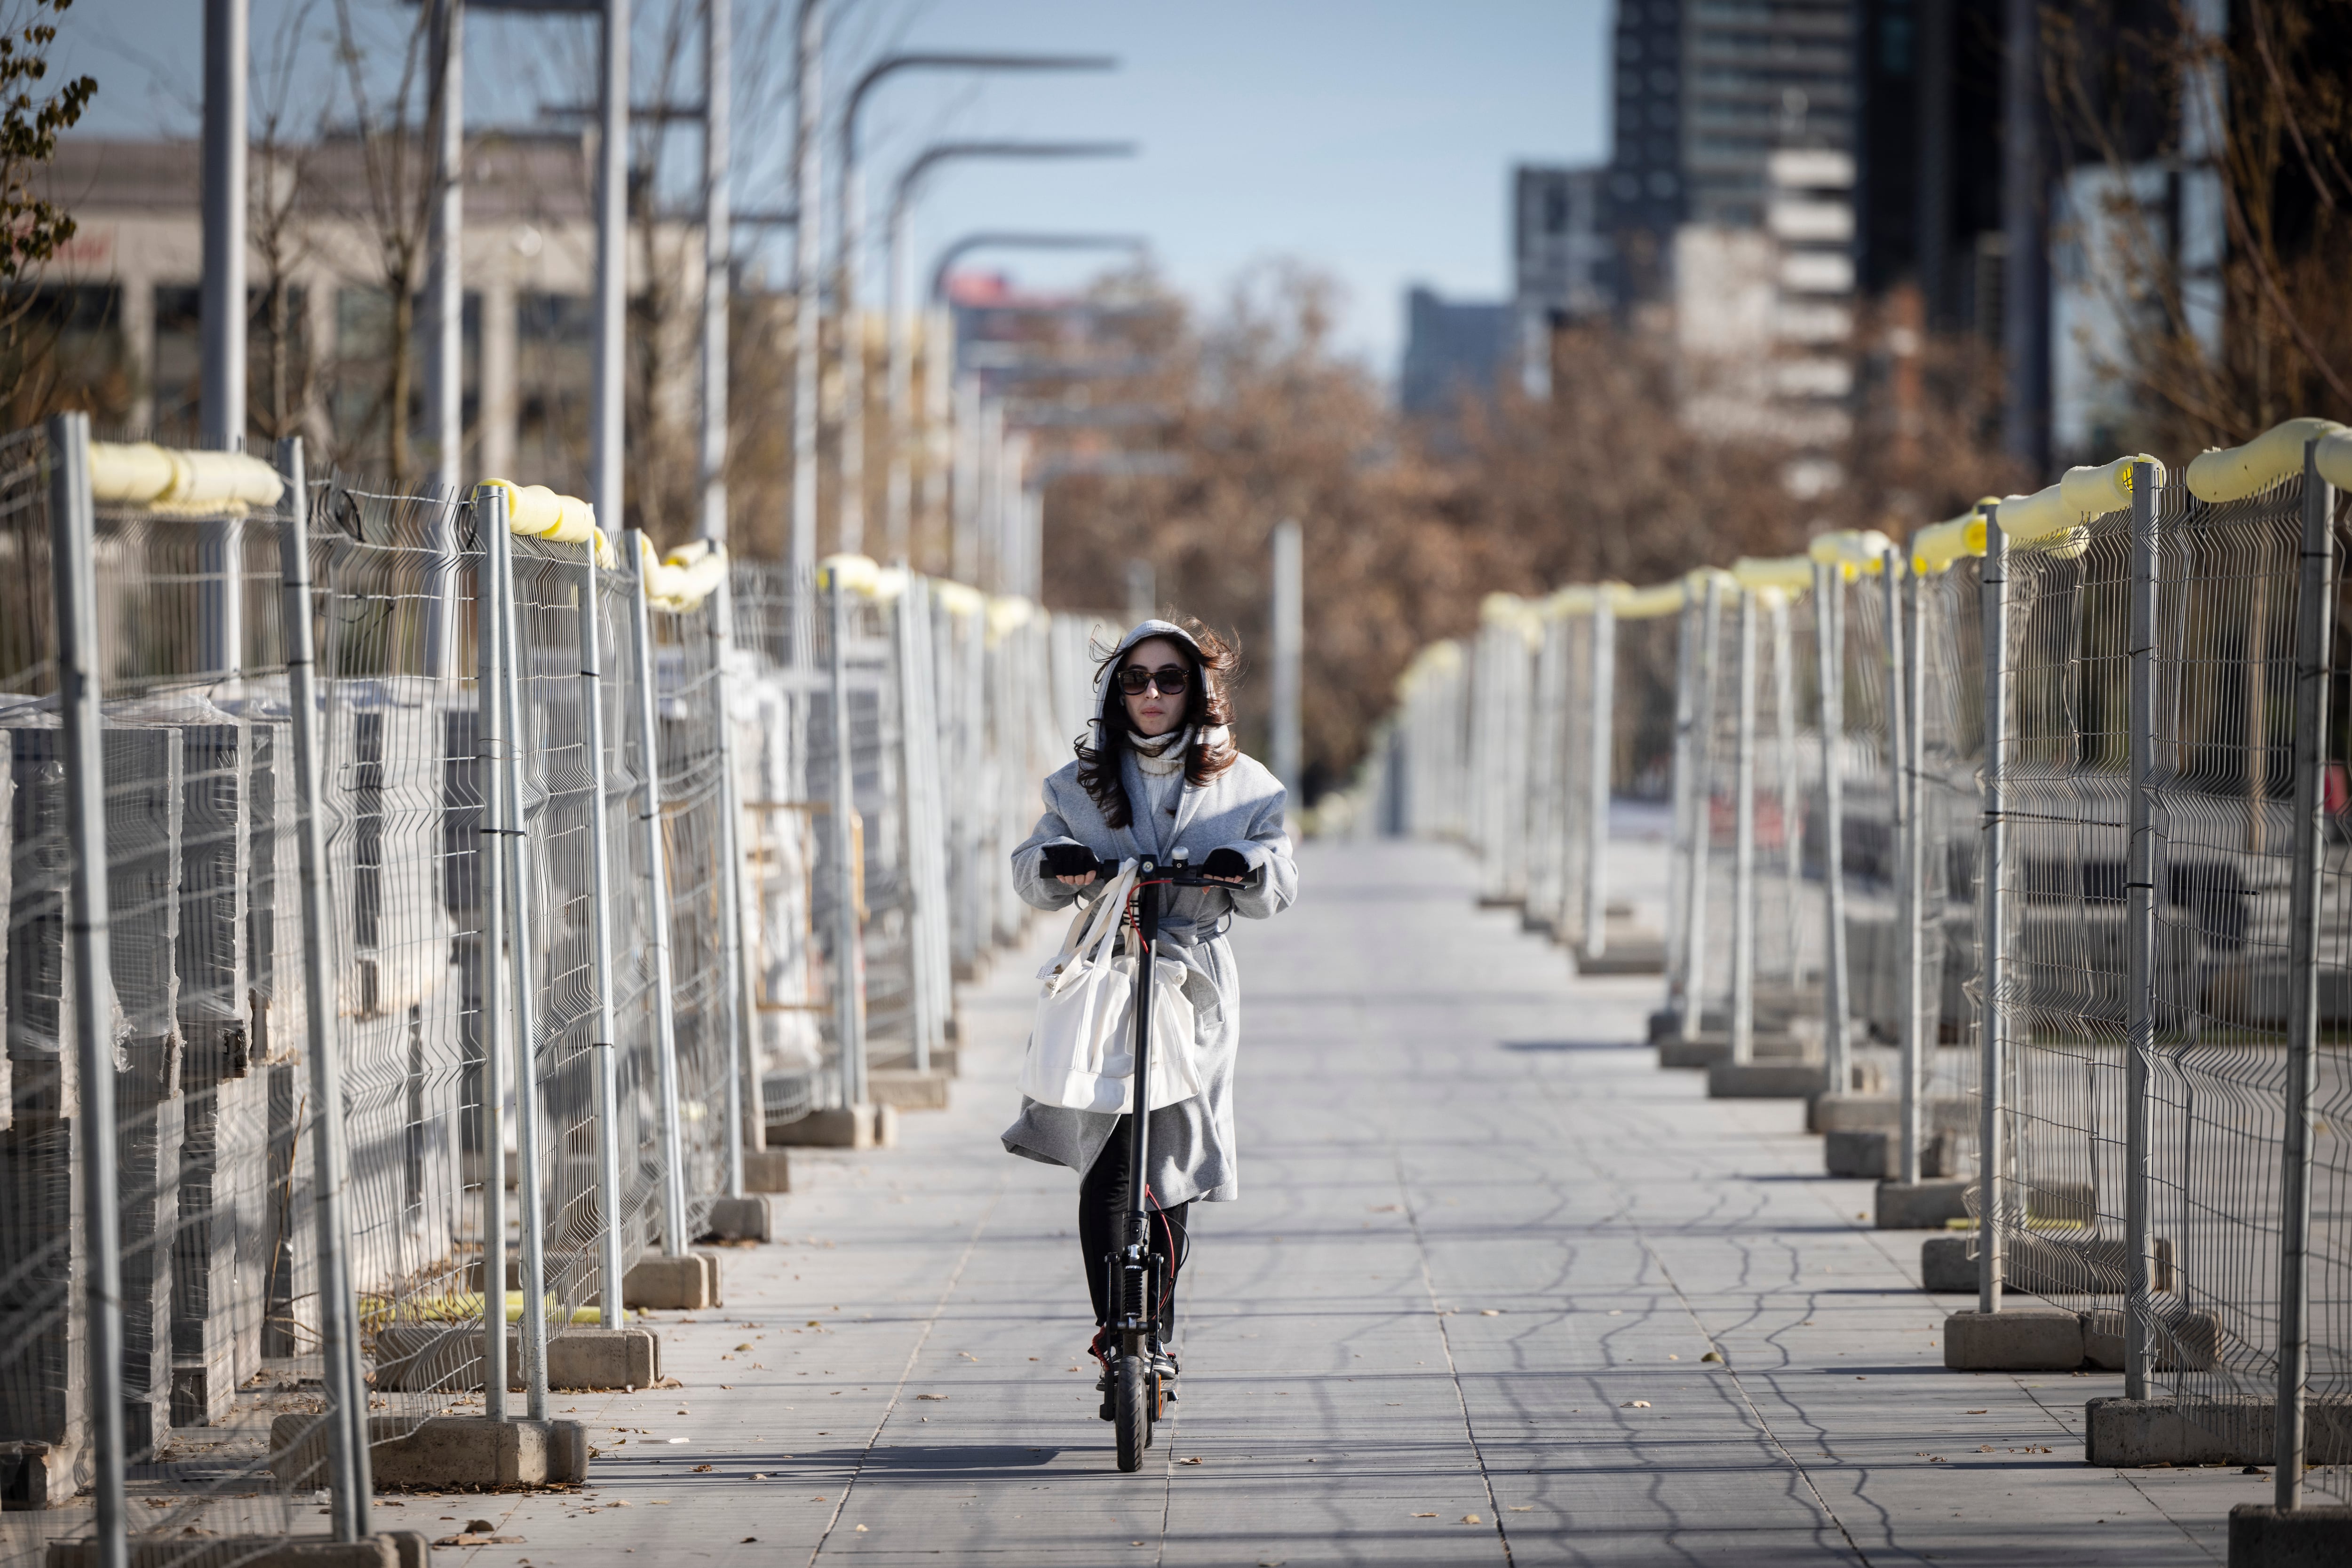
1102, 1220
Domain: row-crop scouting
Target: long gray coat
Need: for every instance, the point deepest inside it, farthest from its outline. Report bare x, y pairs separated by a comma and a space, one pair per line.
1192, 1154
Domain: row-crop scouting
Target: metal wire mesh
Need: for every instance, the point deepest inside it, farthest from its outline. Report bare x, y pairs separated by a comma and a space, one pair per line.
220, 1376
2227, 602
1949, 807
685, 657
225, 1368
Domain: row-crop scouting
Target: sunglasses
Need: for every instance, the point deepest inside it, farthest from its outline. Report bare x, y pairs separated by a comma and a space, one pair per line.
1171, 680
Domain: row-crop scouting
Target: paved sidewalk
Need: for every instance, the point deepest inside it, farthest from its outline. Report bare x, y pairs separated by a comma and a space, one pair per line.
1460, 1315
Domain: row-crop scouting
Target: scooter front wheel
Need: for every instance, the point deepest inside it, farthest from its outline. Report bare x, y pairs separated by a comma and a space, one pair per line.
1134, 1422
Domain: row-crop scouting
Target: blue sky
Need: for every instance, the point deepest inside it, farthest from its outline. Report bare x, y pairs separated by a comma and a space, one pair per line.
1371, 139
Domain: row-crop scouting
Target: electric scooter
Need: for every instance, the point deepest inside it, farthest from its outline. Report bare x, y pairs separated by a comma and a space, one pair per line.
1139, 1396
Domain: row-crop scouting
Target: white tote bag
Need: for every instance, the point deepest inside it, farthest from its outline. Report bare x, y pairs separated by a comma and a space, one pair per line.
1081, 1052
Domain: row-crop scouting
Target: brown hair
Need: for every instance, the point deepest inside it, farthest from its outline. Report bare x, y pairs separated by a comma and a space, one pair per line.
1206, 703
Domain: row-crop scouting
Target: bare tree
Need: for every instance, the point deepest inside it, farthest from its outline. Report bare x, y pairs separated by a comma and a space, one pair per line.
394, 132
277, 227
2277, 86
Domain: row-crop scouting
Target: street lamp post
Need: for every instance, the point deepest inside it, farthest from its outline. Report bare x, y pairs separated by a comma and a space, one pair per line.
850, 195
902, 197
902, 492
807, 170
901, 485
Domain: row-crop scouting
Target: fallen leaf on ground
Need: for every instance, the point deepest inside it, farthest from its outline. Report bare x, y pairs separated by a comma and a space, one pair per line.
1424, 1516
1489, 1312
1472, 1519
701, 1469
1634, 1404
1523, 1508
1711, 1355
930, 1397
1195, 1460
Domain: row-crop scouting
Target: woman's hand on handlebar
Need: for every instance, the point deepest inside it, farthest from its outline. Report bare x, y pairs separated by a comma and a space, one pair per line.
1226, 865
1072, 865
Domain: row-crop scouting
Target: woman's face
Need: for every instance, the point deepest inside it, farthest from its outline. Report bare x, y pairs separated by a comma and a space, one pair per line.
1152, 712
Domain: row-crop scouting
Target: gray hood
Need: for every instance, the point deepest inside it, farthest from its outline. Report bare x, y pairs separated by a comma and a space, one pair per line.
1144, 630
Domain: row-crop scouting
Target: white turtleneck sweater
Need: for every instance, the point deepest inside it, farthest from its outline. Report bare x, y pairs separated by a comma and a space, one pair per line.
1161, 761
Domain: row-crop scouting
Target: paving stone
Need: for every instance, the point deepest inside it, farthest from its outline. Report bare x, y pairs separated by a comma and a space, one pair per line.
1437, 1123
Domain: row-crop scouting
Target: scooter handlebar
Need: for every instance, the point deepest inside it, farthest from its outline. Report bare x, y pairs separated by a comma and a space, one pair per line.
1077, 859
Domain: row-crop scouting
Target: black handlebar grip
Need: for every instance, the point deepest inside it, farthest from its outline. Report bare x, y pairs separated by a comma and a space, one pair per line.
1070, 860
1227, 864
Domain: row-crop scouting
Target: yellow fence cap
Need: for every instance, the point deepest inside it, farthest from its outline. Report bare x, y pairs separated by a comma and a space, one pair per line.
855, 573
1788, 573
957, 598
1856, 551
2334, 458
2234, 472
1935, 547
1648, 604
1008, 612
1576, 599
2093, 492
143, 474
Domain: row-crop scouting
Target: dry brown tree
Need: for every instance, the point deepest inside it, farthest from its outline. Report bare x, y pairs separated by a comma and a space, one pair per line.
2216, 360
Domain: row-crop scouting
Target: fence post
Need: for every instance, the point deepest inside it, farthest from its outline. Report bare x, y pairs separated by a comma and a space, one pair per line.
603, 1074
745, 1110
1993, 937
2315, 617
1600, 755
338, 1328
1290, 641
848, 956
2139, 919
490, 745
919, 765
1792, 816
1922, 1035
515, 832
656, 890
73, 564
1743, 853
1710, 647
1902, 719
1679, 989
1829, 639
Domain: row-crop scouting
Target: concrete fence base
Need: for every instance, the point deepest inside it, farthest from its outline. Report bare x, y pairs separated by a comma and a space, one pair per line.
2015, 1339
2262, 1537
447, 1358
2129, 1433
767, 1170
1714, 1046
687, 1283
904, 1089
1763, 1079
863, 1127
1927, 1205
443, 1453
1877, 1156
2045, 1265
396, 1549
746, 1218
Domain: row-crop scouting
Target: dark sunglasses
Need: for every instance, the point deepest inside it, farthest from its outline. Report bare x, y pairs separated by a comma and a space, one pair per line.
1171, 680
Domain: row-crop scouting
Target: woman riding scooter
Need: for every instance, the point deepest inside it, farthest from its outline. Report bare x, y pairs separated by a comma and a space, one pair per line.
1162, 774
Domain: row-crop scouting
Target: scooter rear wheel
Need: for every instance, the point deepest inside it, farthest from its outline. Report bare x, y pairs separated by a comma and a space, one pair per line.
1134, 1422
